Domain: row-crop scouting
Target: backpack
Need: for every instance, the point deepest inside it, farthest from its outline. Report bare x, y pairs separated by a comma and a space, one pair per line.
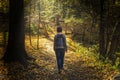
59, 42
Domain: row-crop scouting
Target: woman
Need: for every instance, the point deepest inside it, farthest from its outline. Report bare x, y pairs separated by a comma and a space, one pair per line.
60, 47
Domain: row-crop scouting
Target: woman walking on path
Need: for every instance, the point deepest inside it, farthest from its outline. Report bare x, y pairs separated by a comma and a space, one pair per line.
60, 47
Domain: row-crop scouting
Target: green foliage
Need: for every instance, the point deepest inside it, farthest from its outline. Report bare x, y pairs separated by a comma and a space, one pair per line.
73, 20
81, 15
33, 29
50, 29
4, 6
117, 2
94, 48
79, 48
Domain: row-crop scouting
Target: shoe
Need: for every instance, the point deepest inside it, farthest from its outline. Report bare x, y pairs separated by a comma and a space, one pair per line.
59, 71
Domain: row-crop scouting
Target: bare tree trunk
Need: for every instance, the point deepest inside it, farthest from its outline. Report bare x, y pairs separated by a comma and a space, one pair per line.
57, 20
4, 39
66, 28
102, 31
16, 44
108, 31
30, 26
91, 31
83, 34
46, 33
114, 44
38, 27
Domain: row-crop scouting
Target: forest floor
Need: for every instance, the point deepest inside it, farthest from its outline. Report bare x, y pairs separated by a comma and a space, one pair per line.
77, 66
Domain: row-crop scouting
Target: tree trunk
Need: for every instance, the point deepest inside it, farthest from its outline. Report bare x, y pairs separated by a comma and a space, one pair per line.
83, 34
29, 25
102, 31
91, 30
57, 20
4, 39
16, 45
114, 44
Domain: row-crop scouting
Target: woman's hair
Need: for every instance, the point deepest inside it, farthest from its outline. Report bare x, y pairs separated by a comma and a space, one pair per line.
59, 29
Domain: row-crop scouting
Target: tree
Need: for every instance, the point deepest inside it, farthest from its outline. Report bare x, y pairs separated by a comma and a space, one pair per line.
102, 30
16, 45
114, 30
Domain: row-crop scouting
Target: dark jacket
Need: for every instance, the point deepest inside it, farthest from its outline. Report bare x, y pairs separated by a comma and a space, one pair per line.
65, 46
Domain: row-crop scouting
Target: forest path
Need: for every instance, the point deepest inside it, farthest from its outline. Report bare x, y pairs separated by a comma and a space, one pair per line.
73, 67
76, 66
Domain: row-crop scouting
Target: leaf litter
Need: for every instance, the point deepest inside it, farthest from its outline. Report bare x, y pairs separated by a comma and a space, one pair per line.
44, 67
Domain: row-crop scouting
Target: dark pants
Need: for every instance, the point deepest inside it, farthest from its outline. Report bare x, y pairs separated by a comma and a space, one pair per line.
60, 58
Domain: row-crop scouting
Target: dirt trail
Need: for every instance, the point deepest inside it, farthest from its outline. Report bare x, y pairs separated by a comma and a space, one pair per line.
74, 67
44, 67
